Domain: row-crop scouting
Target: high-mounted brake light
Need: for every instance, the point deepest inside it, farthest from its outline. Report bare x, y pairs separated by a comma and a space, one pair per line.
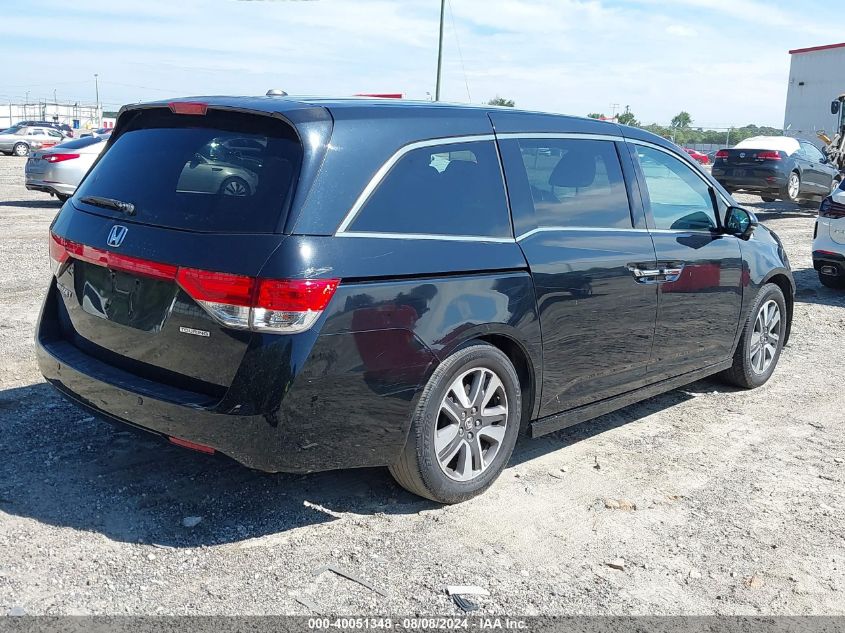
768, 154
722, 153
58, 158
188, 107
284, 306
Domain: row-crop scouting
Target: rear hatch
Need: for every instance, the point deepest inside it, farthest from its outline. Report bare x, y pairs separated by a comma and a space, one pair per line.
834, 210
156, 256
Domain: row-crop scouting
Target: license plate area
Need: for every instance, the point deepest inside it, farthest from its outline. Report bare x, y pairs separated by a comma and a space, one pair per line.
740, 173
131, 300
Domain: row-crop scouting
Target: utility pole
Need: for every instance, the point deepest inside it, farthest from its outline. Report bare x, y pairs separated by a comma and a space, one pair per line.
728, 138
440, 51
97, 92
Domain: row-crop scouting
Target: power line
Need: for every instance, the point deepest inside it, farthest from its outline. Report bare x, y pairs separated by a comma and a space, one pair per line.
460, 53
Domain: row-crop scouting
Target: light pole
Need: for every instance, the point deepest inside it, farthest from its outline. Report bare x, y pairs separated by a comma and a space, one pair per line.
440, 51
97, 92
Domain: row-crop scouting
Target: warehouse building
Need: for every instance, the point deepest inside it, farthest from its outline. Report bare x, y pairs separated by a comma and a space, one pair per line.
76, 115
816, 77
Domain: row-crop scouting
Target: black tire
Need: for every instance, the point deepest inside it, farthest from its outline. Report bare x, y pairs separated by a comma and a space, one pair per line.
784, 193
768, 198
20, 149
743, 373
829, 281
62, 197
232, 184
418, 469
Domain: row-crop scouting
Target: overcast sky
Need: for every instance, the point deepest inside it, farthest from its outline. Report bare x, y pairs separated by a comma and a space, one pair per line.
724, 61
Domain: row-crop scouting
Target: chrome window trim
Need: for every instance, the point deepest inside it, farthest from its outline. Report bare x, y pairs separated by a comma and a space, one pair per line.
426, 236
579, 229
561, 135
375, 181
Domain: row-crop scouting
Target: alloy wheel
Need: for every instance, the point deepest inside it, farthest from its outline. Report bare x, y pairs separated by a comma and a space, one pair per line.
235, 188
765, 337
471, 424
21, 149
793, 186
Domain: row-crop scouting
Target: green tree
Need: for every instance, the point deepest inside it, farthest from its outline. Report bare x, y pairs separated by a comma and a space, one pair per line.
628, 118
682, 120
501, 101
596, 115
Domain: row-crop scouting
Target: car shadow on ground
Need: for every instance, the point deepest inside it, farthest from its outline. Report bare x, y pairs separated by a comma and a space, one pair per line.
32, 204
779, 210
61, 467
810, 290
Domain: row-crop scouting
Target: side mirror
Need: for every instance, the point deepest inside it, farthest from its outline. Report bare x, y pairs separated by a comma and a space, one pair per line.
834, 107
740, 222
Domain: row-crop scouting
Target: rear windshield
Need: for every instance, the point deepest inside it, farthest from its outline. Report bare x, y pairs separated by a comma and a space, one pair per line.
220, 173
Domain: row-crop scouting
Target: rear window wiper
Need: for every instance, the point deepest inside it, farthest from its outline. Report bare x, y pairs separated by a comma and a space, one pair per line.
110, 203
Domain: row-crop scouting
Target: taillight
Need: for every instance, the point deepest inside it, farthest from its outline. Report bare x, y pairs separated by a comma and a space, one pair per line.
290, 304
768, 155
831, 209
58, 158
58, 254
284, 306
722, 153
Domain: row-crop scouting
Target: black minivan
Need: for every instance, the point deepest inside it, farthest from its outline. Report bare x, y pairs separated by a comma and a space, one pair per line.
309, 284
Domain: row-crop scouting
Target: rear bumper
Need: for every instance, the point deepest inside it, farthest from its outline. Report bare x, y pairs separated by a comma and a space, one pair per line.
53, 188
334, 413
830, 261
757, 180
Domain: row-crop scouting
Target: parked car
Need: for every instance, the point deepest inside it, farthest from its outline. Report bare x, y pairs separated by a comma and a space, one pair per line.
776, 167
19, 140
403, 284
58, 170
699, 157
711, 156
64, 128
101, 131
829, 240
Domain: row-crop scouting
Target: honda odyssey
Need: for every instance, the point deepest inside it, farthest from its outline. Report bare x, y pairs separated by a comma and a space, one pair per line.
396, 284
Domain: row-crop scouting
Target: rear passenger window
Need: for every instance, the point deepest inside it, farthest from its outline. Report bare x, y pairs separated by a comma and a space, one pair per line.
453, 189
680, 200
576, 182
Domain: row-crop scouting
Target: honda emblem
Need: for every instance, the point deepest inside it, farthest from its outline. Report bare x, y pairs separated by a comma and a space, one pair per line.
117, 235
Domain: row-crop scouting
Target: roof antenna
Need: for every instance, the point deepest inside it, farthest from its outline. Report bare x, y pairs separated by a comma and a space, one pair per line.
276, 92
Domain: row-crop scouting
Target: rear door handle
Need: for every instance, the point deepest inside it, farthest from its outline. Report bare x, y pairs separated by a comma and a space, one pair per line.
658, 275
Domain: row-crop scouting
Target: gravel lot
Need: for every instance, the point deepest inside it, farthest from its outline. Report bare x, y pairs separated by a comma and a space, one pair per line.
711, 500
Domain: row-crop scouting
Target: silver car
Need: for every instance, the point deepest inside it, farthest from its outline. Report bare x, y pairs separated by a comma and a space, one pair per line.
21, 139
58, 170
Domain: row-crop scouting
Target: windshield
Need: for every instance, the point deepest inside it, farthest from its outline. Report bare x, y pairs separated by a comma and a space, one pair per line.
223, 172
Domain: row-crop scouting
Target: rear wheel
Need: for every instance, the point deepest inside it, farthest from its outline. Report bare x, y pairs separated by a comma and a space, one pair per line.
761, 342
792, 188
835, 184
20, 149
235, 186
464, 427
